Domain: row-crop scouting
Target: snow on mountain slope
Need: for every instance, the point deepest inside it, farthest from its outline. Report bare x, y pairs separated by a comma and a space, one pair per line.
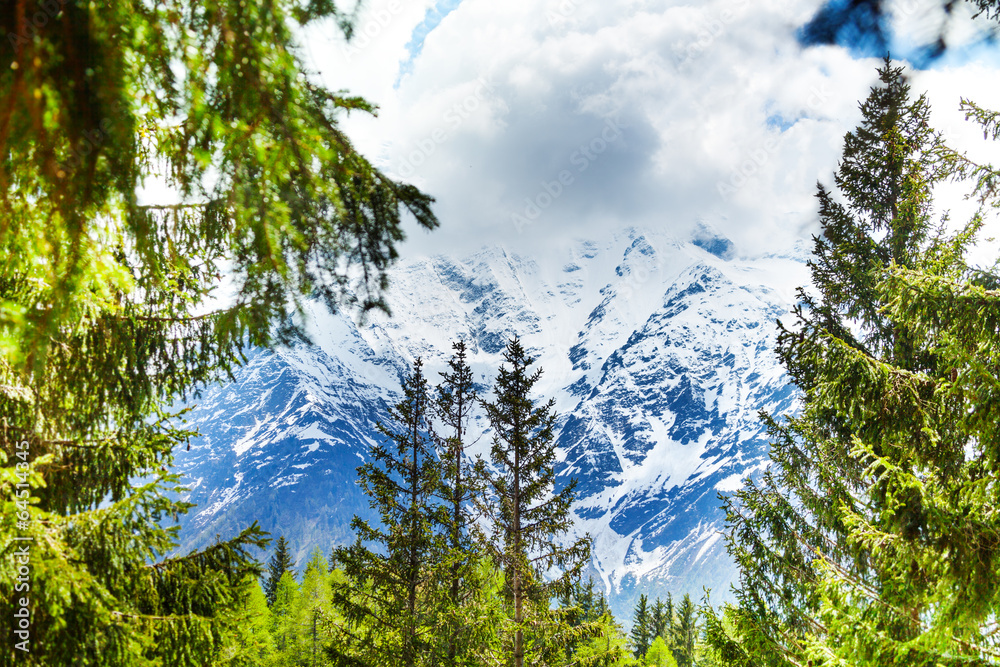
657, 351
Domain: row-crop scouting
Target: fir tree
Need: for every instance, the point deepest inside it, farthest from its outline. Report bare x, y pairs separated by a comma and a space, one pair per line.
388, 591
281, 562
857, 546
641, 629
526, 513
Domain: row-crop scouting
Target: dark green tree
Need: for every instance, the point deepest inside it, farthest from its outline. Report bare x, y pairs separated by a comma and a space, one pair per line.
658, 625
454, 404
280, 562
107, 315
526, 513
865, 543
388, 597
685, 632
642, 633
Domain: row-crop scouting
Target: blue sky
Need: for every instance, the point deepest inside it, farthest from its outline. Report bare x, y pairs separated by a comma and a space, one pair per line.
432, 19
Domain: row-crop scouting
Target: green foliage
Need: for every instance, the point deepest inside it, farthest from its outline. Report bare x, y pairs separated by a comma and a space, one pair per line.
661, 618
685, 631
455, 400
388, 591
283, 627
867, 542
642, 633
659, 654
311, 612
281, 562
523, 510
250, 643
107, 310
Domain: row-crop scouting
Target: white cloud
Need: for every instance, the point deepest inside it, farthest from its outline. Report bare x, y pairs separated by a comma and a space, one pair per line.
532, 121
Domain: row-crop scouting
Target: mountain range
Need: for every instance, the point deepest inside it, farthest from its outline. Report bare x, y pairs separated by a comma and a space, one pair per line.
657, 350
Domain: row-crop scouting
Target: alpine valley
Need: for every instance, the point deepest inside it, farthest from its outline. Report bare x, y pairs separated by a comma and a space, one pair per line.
657, 350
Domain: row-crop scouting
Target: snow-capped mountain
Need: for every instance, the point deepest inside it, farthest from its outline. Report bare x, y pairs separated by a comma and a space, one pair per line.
658, 352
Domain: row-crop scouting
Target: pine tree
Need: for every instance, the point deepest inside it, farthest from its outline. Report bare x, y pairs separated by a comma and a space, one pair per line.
107, 299
641, 629
857, 546
281, 562
388, 589
527, 515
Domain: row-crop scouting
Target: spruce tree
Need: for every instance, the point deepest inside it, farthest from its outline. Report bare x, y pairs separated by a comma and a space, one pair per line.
668, 613
455, 401
280, 562
312, 612
865, 543
685, 632
526, 514
658, 620
641, 630
251, 642
284, 628
388, 598
107, 298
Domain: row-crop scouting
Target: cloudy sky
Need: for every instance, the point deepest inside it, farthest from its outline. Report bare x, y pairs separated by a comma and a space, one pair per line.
534, 120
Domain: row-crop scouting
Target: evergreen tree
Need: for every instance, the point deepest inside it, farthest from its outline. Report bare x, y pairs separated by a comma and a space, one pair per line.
311, 611
284, 629
251, 642
641, 627
659, 654
668, 612
388, 589
685, 632
601, 606
108, 316
527, 515
859, 545
658, 620
455, 401
281, 562
585, 600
